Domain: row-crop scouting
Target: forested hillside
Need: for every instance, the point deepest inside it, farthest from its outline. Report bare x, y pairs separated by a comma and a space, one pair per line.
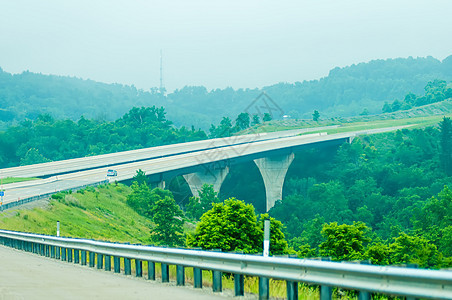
45, 138
344, 92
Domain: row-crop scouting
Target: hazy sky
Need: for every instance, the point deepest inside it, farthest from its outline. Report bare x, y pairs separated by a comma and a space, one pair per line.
215, 43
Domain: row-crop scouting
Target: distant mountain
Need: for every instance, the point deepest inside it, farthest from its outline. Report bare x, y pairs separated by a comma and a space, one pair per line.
344, 92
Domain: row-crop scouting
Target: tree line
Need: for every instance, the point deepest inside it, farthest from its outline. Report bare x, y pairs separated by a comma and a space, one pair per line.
344, 92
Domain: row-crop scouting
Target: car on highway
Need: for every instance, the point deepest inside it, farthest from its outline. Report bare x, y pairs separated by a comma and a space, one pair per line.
112, 172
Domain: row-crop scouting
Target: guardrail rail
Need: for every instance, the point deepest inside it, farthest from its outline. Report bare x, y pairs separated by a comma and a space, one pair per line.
366, 279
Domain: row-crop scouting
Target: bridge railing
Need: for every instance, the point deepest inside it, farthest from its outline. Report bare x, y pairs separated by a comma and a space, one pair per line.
47, 195
367, 279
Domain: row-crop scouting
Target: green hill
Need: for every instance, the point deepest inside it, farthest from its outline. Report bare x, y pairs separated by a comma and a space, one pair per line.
344, 92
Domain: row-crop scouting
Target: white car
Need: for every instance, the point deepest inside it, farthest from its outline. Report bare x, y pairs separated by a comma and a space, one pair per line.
112, 172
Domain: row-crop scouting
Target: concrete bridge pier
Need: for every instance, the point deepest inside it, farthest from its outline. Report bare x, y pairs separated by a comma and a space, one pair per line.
161, 184
273, 170
214, 177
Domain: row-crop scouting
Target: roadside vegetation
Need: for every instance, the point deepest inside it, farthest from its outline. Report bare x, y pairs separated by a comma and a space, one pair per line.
16, 179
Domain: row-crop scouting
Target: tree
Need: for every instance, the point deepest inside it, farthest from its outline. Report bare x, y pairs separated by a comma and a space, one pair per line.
344, 242
414, 249
140, 199
387, 108
378, 253
229, 226
396, 105
267, 117
316, 116
33, 157
446, 145
140, 177
256, 120
197, 206
243, 121
168, 218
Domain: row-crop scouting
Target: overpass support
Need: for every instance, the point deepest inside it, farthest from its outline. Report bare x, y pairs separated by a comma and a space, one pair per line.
214, 177
273, 171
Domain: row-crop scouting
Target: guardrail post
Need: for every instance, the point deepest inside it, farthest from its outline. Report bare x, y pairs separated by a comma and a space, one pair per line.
151, 270
57, 252
92, 258
107, 263
165, 272
100, 261
52, 251
76, 256
364, 295
292, 290
412, 266
180, 270
138, 268
127, 266
63, 254
83, 252
326, 292
43, 250
217, 281
264, 288
69, 255
47, 248
117, 264
239, 284
197, 276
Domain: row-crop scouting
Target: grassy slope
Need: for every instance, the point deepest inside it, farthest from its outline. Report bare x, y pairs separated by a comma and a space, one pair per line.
100, 213
15, 179
426, 115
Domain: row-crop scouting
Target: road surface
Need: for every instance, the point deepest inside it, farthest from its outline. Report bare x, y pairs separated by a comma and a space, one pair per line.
29, 276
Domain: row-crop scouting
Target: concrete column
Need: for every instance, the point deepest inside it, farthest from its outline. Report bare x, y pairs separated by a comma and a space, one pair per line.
213, 177
273, 171
161, 184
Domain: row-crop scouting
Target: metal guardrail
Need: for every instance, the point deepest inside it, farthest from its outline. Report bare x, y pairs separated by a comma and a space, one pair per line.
47, 195
367, 279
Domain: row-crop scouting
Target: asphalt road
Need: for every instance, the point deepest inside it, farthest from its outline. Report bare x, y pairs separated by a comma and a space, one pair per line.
29, 276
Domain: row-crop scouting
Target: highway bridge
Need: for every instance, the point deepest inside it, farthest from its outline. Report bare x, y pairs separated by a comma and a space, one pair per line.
200, 162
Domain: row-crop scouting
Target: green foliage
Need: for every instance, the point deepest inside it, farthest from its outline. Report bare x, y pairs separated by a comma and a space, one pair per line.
344, 242
315, 115
378, 253
229, 226
33, 157
243, 121
415, 250
435, 91
168, 218
446, 145
140, 199
434, 220
233, 226
267, 117
140, 177
197, 206
278, 244
37, 141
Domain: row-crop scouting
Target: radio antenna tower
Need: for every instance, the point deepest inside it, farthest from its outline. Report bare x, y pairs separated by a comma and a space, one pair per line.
162, 88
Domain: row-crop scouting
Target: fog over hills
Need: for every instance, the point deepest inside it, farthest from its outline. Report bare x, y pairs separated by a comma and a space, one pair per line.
344, 92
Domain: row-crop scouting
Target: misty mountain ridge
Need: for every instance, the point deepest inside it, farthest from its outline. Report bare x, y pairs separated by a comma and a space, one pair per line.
345, 91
